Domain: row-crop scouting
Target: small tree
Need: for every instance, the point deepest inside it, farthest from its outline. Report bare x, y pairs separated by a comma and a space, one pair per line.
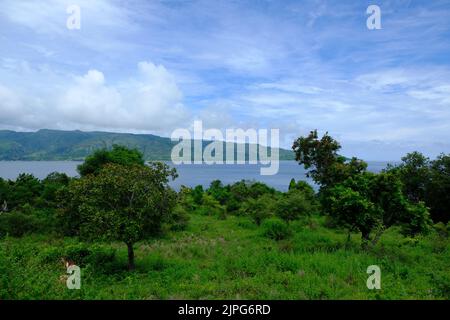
259, 209
321, 156
438, 190
124, 203
118, 155
370, 202
293, 205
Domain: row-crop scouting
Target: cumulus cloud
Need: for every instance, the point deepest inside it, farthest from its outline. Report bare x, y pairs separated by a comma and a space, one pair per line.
150, 101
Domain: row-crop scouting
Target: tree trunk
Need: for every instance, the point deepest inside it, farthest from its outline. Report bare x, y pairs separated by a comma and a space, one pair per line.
377, 237
365, 237
130, 256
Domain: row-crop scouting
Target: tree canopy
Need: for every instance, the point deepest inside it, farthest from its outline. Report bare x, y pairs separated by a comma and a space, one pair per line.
118, 155
124, 203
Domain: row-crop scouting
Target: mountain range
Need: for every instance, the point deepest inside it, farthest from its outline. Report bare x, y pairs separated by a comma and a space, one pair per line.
49, 145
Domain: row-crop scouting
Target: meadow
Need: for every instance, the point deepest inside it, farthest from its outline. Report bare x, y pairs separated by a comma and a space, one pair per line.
231, 258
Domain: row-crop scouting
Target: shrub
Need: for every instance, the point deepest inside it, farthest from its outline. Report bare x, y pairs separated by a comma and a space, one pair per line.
259, 209
276, 229
179, 218
442, 229
211, 207
294, 205
17, 224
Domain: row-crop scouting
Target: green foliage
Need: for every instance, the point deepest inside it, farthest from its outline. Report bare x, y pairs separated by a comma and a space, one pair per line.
24, 190
438, 191
427, 181
179, 218
219, 192
118, 155
303, 187
259, 209
374, 201
417, 220
212, 207
76, 145
294, 205
351, 209
442, 229
314, 263
322, 155
414, 174
17, 224
123, 203
197, 195
276, 229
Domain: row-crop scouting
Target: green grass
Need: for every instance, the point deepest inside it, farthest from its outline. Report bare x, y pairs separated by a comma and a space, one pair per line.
231, 259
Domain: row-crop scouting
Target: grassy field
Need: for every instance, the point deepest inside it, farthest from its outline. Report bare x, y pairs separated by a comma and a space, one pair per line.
231, 259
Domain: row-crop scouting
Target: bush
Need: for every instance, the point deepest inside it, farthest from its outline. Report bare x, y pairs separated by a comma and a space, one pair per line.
276, 229
259, 209
442, 229
17, 224
98, 257
179, 218
294, 205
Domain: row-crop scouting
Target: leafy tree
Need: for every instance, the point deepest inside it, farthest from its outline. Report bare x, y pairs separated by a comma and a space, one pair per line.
218, 191
212, 207
321, 155
303, 187
293, 205
51, 185
352, 210
414, 172
197, 195
124, 203
276, 229
25, 190
4, 195
118, 155
17, 224
370, 202
259, 209
438, 190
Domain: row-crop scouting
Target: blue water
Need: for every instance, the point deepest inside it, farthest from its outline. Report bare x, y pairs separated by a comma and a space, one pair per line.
189, 175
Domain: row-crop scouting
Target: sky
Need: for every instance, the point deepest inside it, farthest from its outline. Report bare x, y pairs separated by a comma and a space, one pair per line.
155, 66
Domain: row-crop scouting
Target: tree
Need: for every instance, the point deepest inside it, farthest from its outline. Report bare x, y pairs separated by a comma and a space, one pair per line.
25, 190
352, 210
438, 190
414, 172
293, 205
124, 203
118, 155
51, 185
259, 209
218, 191
4, 195
328, 167
302, 186
369, 202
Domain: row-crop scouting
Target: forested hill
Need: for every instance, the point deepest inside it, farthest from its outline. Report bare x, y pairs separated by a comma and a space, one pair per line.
76, 145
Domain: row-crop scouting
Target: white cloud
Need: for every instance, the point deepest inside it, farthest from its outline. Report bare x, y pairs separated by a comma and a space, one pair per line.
149, 102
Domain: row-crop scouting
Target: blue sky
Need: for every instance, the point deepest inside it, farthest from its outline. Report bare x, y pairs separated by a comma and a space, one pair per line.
154, 66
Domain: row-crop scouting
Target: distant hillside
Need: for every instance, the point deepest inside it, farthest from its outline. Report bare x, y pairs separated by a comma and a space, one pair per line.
76, 145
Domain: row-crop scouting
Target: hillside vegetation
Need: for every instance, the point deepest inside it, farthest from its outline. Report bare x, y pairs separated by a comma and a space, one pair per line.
76, 145
134, 237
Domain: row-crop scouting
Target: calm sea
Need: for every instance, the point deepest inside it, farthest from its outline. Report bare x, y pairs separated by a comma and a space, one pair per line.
189, 175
